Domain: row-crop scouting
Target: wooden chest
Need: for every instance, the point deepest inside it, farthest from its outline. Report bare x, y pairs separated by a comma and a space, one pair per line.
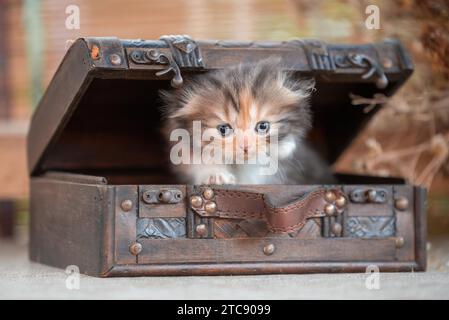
102, 196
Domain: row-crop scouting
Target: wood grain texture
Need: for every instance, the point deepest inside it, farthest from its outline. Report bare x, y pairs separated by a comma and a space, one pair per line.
57, 104
67, 225
420, 214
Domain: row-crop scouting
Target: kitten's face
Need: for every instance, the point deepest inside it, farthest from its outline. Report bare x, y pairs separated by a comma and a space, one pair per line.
246, 109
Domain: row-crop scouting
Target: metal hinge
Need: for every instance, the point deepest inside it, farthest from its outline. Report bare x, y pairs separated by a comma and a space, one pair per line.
322, 59
184, 54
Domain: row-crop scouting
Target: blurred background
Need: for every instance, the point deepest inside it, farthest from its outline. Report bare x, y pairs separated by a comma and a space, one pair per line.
408, 138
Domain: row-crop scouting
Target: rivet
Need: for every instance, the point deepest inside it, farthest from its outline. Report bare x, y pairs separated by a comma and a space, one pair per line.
95, 52
201, 229
135, 248
210, 207
208, 194
336, 229
401, 203
330, 196
115, 59
387, 63
329, 209
196, 201
165, 196
399, 242
126, 205
372, 195
269, 249
340, 202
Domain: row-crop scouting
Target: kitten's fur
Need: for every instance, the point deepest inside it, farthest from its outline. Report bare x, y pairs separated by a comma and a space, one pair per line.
242, 96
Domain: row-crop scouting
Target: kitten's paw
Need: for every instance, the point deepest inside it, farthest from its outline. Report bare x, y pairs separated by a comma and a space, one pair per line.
220, 178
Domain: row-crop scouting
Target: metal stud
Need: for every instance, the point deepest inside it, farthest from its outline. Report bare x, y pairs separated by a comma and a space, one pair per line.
135, 248
208, 193
268, 250
210, 207
201, 229
372, 195
115, 59
340, 202
196, 201
95, 52
399, 242
336, 229
329, 209
165, 196
330, 196
126, 205
401, 203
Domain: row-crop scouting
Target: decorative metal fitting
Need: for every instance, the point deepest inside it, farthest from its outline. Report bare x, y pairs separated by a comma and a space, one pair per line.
196, 201
329, 209
269, 249
210, 207
135, 248
387, 63
358, 60
340, 201
201, 229
336, 229
155, 57
330, 196
373, 195
166, 196
115, 59
208, 194
126, 205
399, 241
401, 203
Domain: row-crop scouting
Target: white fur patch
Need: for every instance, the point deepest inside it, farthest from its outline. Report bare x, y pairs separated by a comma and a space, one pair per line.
286, 147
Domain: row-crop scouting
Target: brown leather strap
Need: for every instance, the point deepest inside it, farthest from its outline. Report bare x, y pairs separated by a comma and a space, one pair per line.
284, 217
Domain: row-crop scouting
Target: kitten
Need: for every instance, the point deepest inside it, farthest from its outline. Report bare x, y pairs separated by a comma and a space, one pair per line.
246, 107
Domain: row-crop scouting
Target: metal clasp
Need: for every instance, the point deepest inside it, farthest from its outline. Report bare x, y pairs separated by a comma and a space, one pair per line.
372, 195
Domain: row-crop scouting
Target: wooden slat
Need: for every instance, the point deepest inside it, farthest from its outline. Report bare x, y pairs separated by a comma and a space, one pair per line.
125, 223
251, 250
405, 224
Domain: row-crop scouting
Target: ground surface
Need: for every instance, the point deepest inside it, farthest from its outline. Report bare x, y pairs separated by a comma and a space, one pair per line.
20, 278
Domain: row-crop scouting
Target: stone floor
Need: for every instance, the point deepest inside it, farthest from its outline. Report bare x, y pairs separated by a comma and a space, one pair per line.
20, 278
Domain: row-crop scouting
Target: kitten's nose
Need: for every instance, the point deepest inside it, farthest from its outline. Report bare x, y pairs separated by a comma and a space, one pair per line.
245, 144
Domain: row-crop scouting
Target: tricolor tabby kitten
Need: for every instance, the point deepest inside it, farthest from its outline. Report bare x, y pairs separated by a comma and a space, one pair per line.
257, 99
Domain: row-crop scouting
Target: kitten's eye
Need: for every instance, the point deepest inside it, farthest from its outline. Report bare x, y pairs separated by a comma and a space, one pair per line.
225, 129
262, 127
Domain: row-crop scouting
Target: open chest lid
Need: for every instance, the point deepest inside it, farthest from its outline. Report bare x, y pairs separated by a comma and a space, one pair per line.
101, 109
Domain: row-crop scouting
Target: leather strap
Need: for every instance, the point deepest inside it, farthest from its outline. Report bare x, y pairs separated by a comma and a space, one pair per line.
284, 217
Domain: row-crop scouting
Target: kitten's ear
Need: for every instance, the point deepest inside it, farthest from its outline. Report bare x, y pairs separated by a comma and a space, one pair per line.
302, 87
173, 103
307, 87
